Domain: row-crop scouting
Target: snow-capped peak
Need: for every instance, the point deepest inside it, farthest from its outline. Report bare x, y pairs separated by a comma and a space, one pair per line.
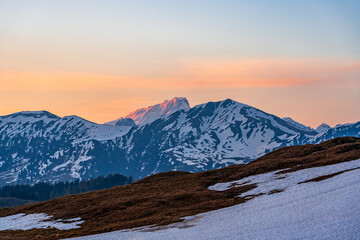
149, 114
27, 117
32, 114
124, 122
322, 128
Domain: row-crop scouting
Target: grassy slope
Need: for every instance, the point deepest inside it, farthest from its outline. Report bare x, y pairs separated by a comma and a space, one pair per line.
166, 197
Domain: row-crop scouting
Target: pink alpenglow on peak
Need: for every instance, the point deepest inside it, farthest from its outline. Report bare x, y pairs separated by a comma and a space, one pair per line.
149, 114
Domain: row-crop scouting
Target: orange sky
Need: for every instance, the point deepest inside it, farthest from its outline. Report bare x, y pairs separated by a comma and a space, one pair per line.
285, 87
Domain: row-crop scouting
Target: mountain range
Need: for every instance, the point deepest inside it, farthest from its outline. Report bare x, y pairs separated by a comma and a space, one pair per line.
40, 146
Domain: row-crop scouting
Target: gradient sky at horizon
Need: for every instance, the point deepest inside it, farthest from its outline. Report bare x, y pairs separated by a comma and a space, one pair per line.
102, 59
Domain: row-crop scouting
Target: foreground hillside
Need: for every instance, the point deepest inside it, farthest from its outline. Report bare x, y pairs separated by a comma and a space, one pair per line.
273, 184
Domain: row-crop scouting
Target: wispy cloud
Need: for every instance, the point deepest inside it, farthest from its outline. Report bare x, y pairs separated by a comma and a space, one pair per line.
192, 74
267, 73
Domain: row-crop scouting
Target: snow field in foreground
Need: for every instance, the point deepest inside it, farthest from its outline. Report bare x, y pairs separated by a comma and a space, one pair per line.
275, 181
329, 209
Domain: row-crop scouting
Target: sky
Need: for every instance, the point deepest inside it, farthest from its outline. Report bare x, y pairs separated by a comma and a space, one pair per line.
101, 59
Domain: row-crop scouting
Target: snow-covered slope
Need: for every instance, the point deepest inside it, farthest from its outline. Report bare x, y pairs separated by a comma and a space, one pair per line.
40, 146
45, 124
149, 114
289, 207
298, 125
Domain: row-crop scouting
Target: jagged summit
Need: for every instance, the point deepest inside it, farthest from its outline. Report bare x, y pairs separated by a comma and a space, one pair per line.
223, 103
229, 101
322, 128
149, 114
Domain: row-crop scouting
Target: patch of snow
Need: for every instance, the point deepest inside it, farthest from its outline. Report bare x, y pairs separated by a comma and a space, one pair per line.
61, 166
268, 182
43, 166
36, 220
76, 167
58, 154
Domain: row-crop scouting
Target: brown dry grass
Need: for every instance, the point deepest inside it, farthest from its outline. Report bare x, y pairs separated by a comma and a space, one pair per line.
167, 197
324, 177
